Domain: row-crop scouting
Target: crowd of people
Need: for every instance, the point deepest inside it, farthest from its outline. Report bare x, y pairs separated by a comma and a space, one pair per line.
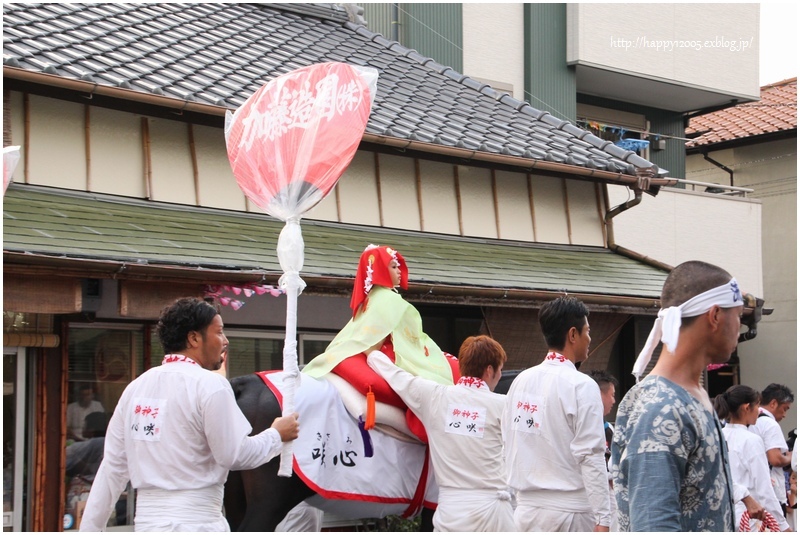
541, 458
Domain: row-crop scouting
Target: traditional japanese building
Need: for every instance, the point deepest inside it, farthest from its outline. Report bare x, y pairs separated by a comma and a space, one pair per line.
124, 200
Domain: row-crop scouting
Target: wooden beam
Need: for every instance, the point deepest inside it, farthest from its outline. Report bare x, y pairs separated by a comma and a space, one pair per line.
457, 186
378, 186
531, 203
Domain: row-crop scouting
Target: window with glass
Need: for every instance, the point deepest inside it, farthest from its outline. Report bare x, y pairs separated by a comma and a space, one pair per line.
103, 359
250, 351
14, 449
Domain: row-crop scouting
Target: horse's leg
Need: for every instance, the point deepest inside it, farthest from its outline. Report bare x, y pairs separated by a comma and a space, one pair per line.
264, 497
270, 497
234, 500
427, 519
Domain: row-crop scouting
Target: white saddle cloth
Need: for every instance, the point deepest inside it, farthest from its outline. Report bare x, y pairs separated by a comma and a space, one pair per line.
330, 456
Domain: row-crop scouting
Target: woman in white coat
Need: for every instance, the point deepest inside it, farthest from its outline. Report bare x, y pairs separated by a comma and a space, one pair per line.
749, 468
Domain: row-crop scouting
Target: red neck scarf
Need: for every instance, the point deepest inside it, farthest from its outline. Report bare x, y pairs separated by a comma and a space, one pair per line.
556, 357
177, 358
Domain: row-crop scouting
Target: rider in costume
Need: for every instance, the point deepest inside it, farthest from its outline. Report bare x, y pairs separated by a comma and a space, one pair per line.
382, 319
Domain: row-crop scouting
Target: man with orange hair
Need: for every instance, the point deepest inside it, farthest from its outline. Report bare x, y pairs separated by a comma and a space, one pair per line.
463, 426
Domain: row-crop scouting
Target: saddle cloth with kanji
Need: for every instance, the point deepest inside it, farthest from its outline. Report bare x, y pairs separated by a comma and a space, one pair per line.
356, 474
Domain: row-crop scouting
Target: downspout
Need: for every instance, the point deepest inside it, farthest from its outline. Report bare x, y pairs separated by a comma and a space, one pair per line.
643, 176
395, 22
725, 168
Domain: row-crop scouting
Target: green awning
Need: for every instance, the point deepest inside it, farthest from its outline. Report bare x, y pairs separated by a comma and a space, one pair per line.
57, 224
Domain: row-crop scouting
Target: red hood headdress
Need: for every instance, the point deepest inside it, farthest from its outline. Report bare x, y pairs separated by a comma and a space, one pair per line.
373, 270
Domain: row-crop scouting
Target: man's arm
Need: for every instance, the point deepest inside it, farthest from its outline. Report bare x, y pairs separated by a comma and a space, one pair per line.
589, 448
414, 391
111, 478
774, 442
261, 448
779, 458
227, 430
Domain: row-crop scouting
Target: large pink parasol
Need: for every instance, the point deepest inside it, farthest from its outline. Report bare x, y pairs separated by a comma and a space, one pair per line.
288, 144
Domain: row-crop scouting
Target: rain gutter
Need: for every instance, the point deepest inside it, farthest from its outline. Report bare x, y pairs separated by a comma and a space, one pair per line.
644, 178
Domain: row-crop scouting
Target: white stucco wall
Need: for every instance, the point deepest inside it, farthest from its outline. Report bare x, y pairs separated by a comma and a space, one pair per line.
387, 190
679, 225
711, 46
493, 43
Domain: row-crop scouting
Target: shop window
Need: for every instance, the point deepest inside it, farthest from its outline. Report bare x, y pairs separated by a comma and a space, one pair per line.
14, 450
250, 352
312, 345
102, 361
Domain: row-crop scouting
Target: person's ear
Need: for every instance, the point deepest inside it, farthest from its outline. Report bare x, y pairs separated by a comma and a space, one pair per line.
193, 339
488, 372
714, 316
573, 334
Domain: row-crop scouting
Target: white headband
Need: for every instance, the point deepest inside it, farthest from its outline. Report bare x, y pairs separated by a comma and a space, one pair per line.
668, 323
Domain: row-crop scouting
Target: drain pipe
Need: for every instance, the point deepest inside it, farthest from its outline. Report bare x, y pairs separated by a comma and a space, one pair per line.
643, 176
724, 167
395, 22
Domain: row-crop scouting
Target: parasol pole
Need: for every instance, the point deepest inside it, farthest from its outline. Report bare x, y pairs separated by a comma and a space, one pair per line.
290, 256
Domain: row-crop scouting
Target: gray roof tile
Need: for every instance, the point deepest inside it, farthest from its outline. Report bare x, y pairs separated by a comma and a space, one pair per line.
222, 53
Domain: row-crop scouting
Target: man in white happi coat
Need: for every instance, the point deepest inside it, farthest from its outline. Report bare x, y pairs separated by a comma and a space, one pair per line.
177, 431
462, 422
776, 400
553, 425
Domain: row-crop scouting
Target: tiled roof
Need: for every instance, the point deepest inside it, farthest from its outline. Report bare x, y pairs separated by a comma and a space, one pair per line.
775, 112
221, 53
64, 225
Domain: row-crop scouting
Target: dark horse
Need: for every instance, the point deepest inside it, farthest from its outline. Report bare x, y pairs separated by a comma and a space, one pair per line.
257, 500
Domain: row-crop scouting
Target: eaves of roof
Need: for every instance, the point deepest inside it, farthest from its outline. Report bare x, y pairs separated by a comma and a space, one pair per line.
772, 117
172, 55
88, 235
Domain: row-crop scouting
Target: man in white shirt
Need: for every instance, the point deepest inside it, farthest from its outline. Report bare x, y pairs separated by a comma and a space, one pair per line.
775, 401
553, 425
78, 410
608, 393
177, 431
462, 422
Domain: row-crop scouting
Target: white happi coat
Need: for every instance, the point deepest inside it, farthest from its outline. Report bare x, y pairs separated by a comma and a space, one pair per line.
750, 469
771, 433
462, 422
555, 443
175, 434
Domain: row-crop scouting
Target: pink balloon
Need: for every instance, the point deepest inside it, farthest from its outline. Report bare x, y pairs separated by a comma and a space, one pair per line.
292, 139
